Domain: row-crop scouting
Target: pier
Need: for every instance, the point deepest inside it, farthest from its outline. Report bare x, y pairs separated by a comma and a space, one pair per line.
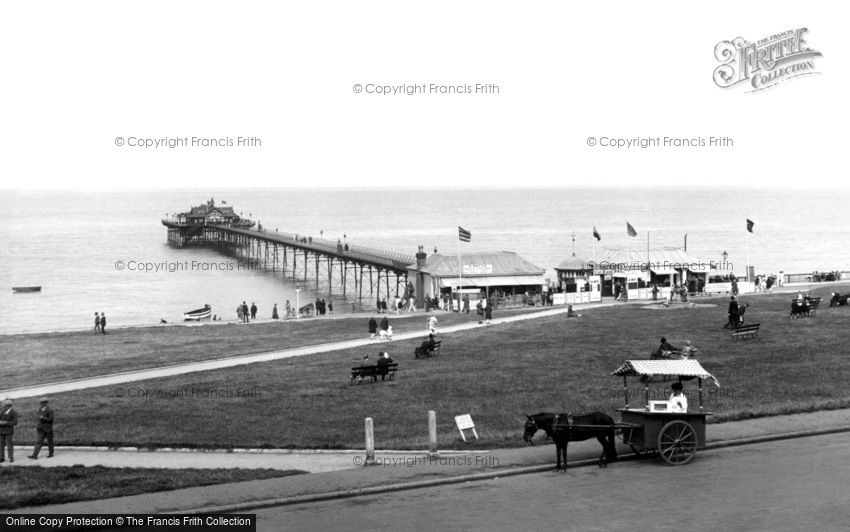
345, 269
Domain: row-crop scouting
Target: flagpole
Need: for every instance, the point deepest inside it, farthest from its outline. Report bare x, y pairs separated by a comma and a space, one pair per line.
459, 274
748, 255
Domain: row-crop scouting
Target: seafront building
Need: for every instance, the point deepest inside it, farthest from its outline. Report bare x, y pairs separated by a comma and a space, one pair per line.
640, 270
502, 274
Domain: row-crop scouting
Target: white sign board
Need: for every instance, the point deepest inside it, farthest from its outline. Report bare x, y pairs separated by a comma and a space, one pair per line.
477, 269
465, 422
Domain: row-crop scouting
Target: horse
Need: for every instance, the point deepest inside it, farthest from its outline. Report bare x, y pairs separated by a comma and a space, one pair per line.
564, 428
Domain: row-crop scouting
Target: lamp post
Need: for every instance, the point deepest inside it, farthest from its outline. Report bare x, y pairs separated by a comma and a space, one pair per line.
297, 301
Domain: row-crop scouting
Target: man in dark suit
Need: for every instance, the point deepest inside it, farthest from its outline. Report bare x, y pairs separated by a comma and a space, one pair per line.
733, 313
44, 430
384, 360
8, 420
103, 322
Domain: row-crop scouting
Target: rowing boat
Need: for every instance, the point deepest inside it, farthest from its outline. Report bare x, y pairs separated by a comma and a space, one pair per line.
198, 314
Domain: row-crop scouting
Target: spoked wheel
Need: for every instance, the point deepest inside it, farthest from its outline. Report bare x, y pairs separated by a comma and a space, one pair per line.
677, 442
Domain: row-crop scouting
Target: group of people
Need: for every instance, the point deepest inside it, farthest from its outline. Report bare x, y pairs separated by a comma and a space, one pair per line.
100, 323
384, 360
666, 350
800, 306
385, 332
735, 313
44, 430
246, 314
764, 283
323, 307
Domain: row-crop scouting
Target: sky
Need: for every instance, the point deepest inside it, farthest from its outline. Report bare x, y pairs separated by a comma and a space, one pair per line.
294, 94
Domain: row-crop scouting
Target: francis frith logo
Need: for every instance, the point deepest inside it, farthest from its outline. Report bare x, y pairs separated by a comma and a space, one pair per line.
765, 63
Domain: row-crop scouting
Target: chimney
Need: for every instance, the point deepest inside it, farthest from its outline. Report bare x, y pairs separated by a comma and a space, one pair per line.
420, 257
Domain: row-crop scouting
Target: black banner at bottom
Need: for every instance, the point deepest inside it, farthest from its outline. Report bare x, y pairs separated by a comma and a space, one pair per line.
129, 522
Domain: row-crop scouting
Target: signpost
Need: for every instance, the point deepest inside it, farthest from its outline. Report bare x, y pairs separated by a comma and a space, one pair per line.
465, 422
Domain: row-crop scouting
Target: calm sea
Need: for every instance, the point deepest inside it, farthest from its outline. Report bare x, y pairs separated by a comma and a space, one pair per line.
69, 242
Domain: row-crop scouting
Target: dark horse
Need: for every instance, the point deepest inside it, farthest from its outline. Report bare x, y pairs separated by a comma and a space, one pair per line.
564, 428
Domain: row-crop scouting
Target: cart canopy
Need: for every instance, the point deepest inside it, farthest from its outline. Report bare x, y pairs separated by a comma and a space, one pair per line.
685, 369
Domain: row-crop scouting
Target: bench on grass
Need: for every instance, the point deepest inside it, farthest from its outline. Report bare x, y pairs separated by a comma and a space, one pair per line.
429, 351
807, 309
746, 331
373, 372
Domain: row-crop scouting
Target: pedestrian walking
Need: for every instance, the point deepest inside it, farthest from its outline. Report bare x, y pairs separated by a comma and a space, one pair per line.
274, 312
103, 323
245, 314
331, 307
96, 322
44, 430
253, 310
373, 328
8, 420
288, 310
488, 313
239, 312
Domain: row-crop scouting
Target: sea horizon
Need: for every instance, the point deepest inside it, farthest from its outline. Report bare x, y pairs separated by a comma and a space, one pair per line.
68, 241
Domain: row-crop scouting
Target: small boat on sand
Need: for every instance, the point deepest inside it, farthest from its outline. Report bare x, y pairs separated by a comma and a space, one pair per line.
199, 314
26, 289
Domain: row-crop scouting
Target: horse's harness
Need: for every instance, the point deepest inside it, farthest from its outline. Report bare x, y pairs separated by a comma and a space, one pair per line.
556, 425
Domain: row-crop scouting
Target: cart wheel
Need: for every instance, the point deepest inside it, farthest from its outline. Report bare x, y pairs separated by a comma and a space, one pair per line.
677, 442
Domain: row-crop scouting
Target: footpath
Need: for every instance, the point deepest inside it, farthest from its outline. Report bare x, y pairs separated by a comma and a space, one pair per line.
345, 476
228, 362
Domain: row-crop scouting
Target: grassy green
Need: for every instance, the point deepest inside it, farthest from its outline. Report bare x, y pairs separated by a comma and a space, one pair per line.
495, 373
49, 357
38, 486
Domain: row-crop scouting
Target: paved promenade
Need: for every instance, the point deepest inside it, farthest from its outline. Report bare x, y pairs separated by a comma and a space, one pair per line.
410, 470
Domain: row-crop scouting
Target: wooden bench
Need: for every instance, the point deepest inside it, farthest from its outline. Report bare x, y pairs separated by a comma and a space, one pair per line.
432, 350
373, 372
813, 305
746, 331
808, 310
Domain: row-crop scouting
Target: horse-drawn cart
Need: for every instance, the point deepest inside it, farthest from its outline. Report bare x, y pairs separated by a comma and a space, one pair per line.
676, 436
654, 427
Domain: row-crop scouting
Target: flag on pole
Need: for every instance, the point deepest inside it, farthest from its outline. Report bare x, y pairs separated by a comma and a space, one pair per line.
750, 225
630, 229
463, 234
596, 234
223, 202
